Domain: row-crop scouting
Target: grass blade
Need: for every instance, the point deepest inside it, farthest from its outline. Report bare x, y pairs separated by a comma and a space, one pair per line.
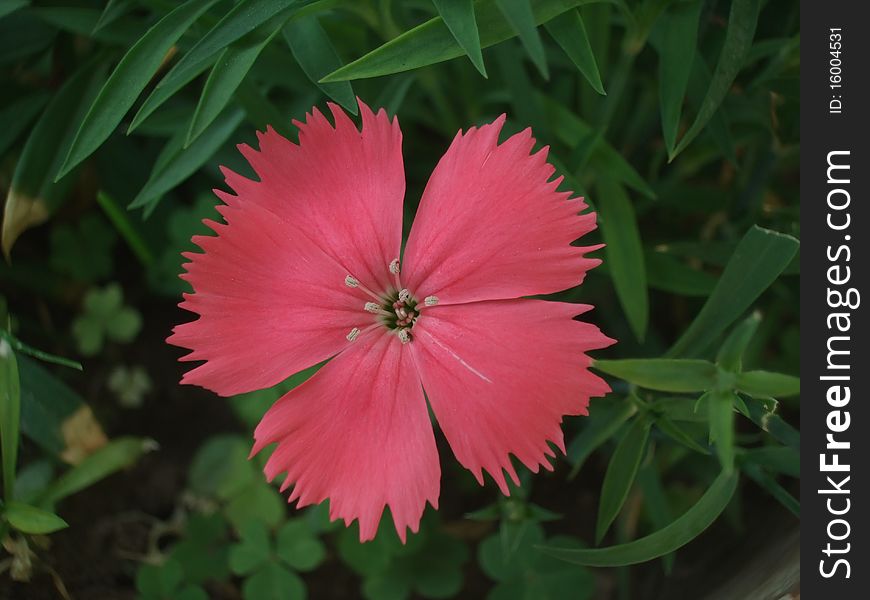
522, 20
129, 78
315, 53
676, 535
458, 15
620, 474
10, 415
738, 39
757, 261
676, 55
624, 253
569, 31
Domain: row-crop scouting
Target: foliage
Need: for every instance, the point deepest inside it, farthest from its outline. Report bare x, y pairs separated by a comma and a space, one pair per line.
676, 118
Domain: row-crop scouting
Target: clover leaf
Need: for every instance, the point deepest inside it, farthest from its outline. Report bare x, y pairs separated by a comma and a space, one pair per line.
105, 317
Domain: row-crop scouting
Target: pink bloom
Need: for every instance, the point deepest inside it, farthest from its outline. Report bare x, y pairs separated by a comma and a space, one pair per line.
306, 269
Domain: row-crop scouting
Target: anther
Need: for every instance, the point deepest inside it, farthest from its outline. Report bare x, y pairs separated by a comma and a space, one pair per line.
404, 295
394, 266
373, 307
404, 336
351, 281
354, 333
430, 300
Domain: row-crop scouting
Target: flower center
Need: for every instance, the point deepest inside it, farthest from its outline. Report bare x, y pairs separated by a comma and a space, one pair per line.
396, 309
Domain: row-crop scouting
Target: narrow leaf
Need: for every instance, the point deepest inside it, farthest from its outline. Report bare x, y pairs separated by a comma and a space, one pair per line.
679, 533
112, 12
227, 74
679, 435
522, 20
10, 415
620, 474
662, 374
431, 42
569, 32
458, 15
655, 501
243, 18
315, 53
176, 164
129, 78
730, 355
773, 488
33, 196
116, 455
676, 54
738, 39
17, 116
32, 520
756, 263
624, 253
764, 384
720, 408
600, 426
762, 415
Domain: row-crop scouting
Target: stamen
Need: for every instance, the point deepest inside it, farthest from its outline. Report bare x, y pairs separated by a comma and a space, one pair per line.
374, 308
404, 295
351, 281
430, 300
404, 336
395, 267
354, 333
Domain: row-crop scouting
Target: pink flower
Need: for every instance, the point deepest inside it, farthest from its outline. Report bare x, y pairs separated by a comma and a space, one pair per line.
306, 269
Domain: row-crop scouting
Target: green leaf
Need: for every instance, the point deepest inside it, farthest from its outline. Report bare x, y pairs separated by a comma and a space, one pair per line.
599, 427
273, 582
757, 261
779, 459
157, 582
128, 231
678, 434
624, 253
129, 78
317, 56
46, 404
10, 6
679, 533
297, 546
679, 35
253, 551
738, 39
431, 42
243, 18
620, 474
10, 415
762, 414
569, 31
458, 15
17, 116
720, 409
603, 157
670, 274
730, 355
118, 454
32, 520
663, 374
224, 79
177, 164
773, 488
655, 502
221, 468
521, 18
763, 384
33, 196
258, 501
112, 12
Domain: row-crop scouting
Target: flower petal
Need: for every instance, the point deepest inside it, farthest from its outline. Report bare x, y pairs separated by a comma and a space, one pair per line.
358, 433
271, 303
491, 226
341, 186
500, 375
